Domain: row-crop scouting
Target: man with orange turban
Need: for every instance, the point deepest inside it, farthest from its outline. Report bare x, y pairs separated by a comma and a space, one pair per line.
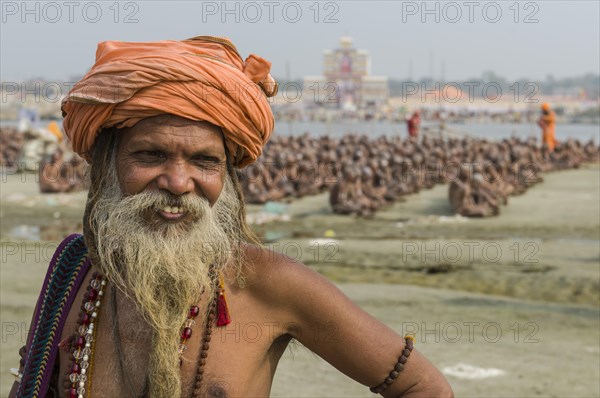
148, 301
547, 122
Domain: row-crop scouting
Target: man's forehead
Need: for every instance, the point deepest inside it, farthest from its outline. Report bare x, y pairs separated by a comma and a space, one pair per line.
168, 127
173, 131
174, 121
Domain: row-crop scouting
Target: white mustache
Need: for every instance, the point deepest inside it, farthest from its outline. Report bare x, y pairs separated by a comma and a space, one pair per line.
153, 201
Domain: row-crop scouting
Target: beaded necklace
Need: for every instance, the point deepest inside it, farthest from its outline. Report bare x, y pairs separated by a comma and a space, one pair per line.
81, 343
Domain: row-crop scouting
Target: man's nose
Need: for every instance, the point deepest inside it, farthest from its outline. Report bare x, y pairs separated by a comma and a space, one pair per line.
176, 178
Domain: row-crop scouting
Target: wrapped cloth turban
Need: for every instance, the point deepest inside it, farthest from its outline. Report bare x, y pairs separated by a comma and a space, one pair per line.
202, 78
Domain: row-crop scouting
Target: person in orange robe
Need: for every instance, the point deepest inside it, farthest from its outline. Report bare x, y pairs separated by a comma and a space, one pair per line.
547, 122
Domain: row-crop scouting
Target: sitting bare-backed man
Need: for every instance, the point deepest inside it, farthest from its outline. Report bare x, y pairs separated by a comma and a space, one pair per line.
462, 198
485, 194
494, 174
139, 306
345, 197
52, 173
62, 171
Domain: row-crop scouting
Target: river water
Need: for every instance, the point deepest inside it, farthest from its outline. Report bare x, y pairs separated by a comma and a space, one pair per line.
491, 131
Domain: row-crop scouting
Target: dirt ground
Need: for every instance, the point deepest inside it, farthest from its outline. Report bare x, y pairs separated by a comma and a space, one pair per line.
508, 306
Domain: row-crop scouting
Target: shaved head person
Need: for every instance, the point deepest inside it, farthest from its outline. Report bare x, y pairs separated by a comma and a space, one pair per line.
138, 304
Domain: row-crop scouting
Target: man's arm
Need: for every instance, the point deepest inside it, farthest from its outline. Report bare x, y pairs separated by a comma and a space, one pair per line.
343, 334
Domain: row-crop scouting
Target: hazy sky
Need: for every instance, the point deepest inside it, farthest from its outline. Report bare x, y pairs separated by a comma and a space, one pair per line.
515, 39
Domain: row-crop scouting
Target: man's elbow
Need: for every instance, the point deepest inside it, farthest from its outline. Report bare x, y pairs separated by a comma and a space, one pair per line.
437, 387
443, 390
436, 392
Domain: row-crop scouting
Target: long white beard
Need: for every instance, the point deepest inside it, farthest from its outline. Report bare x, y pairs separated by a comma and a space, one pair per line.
163, 267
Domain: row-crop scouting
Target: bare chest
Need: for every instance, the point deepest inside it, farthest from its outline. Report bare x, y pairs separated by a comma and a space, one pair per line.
241, 358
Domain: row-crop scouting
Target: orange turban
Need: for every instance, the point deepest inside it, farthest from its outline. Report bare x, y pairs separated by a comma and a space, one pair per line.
202, 78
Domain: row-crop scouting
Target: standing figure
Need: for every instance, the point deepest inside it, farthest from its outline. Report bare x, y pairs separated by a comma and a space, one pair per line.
547, 122
414, 124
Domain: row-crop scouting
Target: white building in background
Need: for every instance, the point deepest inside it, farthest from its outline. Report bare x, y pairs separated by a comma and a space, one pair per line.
346, 82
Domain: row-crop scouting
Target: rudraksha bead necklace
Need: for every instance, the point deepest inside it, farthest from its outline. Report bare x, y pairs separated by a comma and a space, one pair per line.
212, 314
80, 344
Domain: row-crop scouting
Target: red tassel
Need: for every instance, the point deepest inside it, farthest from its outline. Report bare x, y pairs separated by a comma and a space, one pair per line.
223, 318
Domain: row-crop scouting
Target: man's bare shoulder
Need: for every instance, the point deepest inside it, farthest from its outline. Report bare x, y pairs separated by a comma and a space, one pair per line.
263, 265
272, 275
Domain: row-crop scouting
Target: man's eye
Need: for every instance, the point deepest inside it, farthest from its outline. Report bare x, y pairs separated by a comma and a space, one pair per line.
149, 155
208, 162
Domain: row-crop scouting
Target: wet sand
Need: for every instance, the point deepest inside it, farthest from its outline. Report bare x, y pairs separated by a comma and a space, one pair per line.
511, 304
